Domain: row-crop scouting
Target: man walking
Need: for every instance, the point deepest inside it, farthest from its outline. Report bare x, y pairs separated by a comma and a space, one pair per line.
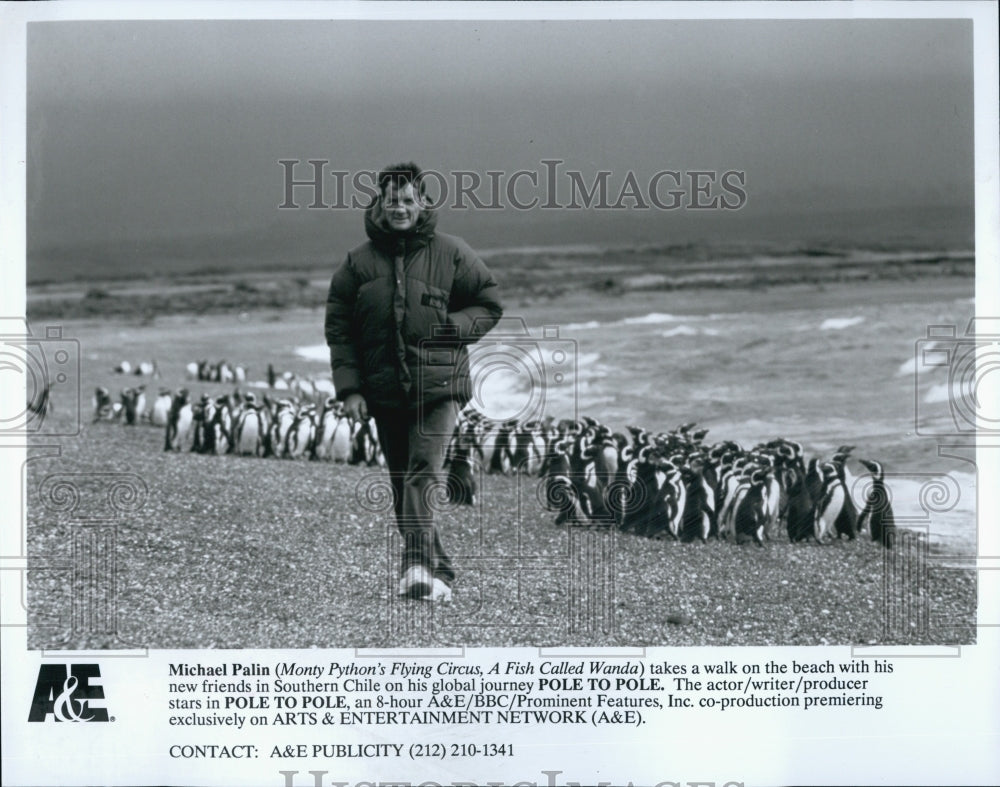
401, 311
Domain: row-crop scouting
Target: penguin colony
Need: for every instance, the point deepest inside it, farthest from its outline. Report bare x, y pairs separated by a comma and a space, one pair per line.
673, 484
284, 428
309, 422
665, 485
218, 372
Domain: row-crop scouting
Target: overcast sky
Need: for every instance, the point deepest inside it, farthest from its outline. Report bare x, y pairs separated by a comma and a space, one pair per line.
154, 129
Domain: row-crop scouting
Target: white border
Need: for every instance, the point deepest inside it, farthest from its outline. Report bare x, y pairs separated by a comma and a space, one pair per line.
931, 740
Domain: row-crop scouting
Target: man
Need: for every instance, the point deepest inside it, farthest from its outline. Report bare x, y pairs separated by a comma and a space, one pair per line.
401, 311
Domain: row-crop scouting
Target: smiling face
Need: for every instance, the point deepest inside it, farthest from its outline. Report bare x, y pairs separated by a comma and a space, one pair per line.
402, 206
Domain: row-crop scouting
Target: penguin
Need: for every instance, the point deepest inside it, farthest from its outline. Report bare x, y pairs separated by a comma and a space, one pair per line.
835, 512
784, 460
461, 478
800, 516
540, 439
750, 516
828, 502
249, 432
140, 402
847, 478
179, 421
736, 488
340, 444
365, 448
622, 494
357, 455
699, 503
773, 498
161, 408
549, 436
301, 433
222, 425
128, 400
655, 516
560, 492
648, 518
325, 428
733, 486
203, 415
642, 488
502, 454
877, 514
281, 424
583, 475
674, 494
604, 451
526, 458
103, 408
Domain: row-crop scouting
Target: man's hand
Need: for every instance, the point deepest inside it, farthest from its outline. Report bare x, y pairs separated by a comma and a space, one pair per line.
356, 407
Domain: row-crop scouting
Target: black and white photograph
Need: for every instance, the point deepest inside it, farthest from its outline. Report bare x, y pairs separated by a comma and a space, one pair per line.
480, 341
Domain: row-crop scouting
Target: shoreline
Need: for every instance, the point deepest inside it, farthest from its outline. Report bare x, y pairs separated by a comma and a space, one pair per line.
526, 279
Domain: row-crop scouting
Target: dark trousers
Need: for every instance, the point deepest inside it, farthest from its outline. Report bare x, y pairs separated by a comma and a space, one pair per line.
414, 443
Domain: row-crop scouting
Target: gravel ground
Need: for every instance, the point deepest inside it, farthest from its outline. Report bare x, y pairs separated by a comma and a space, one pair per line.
229, 552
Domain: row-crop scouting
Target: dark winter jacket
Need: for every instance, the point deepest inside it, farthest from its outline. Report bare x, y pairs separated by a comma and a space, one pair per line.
402, 309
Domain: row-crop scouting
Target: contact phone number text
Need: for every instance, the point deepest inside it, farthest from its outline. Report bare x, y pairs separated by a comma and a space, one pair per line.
442, 750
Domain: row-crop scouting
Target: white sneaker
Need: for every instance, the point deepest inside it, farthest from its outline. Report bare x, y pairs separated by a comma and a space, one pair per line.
440, 592
416, 582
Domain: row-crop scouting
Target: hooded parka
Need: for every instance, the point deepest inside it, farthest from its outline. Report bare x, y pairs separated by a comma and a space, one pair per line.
401, 311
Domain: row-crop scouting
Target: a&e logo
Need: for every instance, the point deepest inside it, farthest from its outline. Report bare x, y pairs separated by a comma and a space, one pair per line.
65, 691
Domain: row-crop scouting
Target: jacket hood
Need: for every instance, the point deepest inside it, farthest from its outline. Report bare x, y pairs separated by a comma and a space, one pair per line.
385, 238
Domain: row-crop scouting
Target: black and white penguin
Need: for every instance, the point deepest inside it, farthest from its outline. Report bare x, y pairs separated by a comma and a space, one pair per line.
560, 494
698, 518
203, 414
103, 407
140, 402
800, 516
283, 415
501, 459
877, 514
222, 424
161, 408
750, 517
179, 421
365, 448
302, 432
325, 428
524, 458
249, 431
835, 512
